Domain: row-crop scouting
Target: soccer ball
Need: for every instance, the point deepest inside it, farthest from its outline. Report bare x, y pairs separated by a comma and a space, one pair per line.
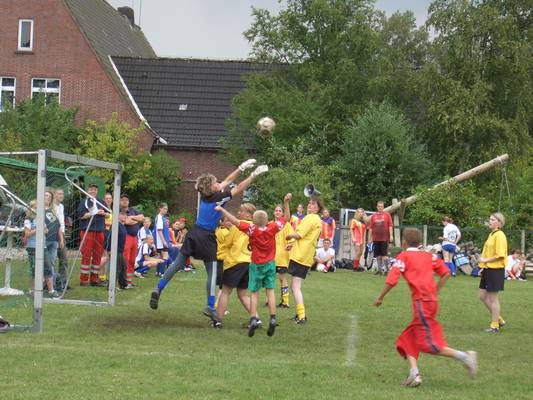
265, 126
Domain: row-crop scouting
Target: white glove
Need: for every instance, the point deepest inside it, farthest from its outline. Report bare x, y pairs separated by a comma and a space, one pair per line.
259, 170
247, 164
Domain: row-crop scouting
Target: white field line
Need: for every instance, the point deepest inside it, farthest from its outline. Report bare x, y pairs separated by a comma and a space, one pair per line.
351, 342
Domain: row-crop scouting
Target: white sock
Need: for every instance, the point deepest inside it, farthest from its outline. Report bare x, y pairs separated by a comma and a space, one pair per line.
461, 356
413, 371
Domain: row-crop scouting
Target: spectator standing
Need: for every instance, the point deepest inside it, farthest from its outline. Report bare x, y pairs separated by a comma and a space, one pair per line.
92, 227
380, 234
358, 233
492, 263
59, 208
328, 227
297, 217
108, 221
134, 218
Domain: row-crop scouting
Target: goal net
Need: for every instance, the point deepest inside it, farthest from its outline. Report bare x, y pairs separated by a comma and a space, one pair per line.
58, 236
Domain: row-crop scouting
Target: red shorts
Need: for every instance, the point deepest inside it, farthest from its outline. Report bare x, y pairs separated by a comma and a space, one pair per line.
424, 333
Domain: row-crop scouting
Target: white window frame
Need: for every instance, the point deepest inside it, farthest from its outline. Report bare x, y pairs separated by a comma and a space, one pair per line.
21, 21
46, 90
6, 88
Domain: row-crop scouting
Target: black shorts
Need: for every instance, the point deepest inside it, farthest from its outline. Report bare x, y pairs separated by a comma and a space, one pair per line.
281, 270
236, 276
492, 280
200, 244
220, 271
381, 249
297, 269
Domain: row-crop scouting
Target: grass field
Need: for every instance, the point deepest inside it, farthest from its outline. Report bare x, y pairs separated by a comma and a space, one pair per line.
345, 351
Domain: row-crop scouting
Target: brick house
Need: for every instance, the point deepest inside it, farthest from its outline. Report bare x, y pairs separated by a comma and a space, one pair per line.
87, 54
61, 48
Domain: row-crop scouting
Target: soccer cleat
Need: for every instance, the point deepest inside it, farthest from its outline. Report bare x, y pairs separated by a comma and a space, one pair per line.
502, 323
295, 318
154, 299
492, 330
302, 321
283, 305
212, 313
272, 326
216, 324
53, 294
412, 381
471, 363
252, 326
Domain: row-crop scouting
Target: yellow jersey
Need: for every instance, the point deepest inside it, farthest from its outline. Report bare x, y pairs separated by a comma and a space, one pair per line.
223, 242
238, 250
495, 246
282, 255
108, 221
304, 249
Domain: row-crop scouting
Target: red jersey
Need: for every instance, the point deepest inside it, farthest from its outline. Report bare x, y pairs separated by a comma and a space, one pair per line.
358, 229
417, 268
380, 223
262, 240
328, 228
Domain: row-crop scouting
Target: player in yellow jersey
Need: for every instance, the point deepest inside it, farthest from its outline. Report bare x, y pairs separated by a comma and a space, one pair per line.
282, 256
223, 236
302, 252
235, 275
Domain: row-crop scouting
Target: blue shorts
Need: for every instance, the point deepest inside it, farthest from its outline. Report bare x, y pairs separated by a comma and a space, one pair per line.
450, 248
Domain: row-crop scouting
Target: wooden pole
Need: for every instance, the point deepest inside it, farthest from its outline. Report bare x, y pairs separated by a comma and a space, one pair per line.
500, 160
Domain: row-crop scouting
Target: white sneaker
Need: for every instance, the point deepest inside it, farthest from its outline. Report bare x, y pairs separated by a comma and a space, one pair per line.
138, 275
413, 381
471, 363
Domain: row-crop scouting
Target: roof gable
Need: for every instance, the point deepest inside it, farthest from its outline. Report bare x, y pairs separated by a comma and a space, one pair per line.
186, 101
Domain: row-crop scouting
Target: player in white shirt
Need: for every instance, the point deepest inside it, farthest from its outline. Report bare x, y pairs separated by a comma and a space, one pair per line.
144, 231
515, 265
450, 237
325, 256
145, 260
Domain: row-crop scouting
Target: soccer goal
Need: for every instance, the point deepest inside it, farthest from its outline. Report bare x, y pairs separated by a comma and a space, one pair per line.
55, 246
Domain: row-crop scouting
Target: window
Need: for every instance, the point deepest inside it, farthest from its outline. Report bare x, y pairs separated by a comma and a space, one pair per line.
46, 89
25, 35
7, 93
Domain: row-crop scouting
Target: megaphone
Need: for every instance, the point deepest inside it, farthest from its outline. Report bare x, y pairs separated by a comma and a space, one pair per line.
310, 190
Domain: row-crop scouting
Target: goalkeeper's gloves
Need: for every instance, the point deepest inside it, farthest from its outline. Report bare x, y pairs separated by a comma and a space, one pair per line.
247, 164
259, 170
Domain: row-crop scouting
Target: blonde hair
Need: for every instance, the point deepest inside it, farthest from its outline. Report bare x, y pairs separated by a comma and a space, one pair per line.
30, 212
499, 216
249, 208
204, 184
260, 218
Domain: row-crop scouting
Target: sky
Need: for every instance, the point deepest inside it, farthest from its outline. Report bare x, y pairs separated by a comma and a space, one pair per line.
213, 28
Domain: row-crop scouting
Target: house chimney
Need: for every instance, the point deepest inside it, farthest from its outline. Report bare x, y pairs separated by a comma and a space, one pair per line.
128, 13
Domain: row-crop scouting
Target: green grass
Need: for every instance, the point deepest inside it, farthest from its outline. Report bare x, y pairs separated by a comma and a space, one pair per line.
133, 352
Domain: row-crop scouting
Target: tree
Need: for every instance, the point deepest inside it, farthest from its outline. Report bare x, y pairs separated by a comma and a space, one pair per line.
39, 126
381, 158
147, 179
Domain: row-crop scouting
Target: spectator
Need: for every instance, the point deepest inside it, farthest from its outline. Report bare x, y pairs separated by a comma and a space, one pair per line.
92, 227
297, 217
108, 221
492, 263
358, 233
515, 265
146, 257
54, 236
450, 237
144, 231
59, 208
380, 234
134, 218
121, 261
328, 227
325, 257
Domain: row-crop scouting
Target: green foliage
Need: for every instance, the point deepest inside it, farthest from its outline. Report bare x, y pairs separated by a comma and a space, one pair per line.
32, 125
462, 202
381, 157
148, 179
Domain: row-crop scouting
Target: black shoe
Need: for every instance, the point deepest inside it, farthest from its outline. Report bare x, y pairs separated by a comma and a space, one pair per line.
301, 321
211, 313
154, 299
252, 326
295, 318
492, 330
98, 283
272, 326
282, 305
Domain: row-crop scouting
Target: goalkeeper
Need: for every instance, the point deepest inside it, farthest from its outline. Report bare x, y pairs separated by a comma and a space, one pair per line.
200, 242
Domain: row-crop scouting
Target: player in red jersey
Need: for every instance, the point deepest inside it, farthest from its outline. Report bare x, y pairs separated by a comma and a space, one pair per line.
424, 333
358, 232
262, 269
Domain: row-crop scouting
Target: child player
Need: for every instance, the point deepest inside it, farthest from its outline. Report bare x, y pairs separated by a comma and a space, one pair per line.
145, 257
223, 236
200, 242
262, 272
282, 256
424, 333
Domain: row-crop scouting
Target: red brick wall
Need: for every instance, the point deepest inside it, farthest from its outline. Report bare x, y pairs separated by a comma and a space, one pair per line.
59, 51
192, 164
